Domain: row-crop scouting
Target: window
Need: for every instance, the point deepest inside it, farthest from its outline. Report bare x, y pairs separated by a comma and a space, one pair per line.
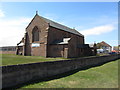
35, 34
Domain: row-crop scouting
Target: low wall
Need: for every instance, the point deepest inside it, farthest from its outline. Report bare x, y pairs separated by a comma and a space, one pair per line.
7, 52
18, 74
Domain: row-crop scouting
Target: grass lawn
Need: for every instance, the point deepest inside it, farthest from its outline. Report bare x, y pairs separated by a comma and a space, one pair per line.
10, 59
105, 76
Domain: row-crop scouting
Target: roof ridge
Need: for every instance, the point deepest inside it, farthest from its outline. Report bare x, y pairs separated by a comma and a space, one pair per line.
105, 43
55, 22
74, 31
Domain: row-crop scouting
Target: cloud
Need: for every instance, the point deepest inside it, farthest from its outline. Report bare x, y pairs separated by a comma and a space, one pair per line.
98, 30
2, 13
12, 30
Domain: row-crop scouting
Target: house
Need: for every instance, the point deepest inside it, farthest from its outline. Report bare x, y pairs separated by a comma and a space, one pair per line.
47, 38
103, 47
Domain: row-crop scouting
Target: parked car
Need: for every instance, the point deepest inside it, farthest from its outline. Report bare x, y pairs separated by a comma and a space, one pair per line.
113, 53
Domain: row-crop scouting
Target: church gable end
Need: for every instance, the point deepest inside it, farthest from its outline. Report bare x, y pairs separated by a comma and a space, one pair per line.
36, 40
37, 29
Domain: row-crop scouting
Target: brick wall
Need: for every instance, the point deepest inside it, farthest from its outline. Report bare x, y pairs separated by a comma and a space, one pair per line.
18, 74
56, 34
56, 50
7, 52
43, 32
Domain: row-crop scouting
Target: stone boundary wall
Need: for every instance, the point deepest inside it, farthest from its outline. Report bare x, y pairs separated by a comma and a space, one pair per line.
13, 75
7, 52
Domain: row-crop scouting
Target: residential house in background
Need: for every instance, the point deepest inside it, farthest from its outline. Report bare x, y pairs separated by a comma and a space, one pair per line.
103, 47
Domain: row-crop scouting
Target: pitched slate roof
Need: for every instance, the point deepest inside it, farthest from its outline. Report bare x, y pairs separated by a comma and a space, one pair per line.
59, 26
62, 27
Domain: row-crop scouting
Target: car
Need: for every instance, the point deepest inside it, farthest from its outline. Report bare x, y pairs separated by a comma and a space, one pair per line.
113, 53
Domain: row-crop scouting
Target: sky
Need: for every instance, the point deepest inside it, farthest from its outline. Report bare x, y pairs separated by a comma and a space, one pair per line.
97, 21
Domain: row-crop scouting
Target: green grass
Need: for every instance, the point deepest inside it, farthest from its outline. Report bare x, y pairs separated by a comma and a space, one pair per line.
10, 59
105, 76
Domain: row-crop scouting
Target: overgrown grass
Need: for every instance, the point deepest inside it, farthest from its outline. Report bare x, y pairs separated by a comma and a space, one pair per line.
105, 76
10, 59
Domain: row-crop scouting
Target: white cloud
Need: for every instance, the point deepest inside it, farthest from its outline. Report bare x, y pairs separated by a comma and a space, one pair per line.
12, 30
98, 30
1, 13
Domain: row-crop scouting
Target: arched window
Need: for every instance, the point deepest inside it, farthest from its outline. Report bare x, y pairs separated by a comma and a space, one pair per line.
35, 34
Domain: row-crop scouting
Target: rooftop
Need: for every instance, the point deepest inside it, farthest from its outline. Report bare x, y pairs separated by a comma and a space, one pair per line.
59, 26
62, 27
105, 44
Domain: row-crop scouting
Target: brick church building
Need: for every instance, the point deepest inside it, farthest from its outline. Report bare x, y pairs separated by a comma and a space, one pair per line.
47, 38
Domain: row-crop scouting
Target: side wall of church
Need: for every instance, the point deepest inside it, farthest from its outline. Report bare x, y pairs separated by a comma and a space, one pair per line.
57, 34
